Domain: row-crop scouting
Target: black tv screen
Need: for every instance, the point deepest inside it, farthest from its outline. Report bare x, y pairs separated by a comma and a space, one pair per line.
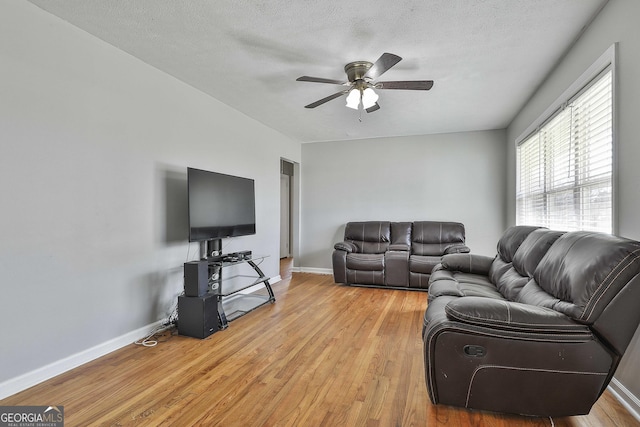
220, 205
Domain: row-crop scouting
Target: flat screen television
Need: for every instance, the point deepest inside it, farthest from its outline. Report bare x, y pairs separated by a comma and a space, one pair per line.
220, 205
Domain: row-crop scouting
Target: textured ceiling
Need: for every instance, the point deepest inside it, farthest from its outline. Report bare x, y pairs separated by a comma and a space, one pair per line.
485, 56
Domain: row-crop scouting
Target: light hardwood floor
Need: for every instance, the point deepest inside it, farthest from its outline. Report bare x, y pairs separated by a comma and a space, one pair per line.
322, 355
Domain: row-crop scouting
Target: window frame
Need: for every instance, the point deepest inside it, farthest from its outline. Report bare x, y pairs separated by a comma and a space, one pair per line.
605, 61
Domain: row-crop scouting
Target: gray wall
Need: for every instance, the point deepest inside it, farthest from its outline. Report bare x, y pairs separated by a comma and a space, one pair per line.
95, 146
444, 177
618, 22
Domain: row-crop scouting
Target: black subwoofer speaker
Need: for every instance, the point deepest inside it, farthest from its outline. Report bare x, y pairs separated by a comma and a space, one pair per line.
196, 278
198, 316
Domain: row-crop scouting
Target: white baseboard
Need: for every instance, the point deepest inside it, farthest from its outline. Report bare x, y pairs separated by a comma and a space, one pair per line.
313, 270
628, 400
23, 382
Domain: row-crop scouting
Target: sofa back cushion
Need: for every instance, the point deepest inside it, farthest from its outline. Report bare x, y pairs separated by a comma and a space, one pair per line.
582, 272
532, 249
434, 237
508, 245
511, 241
371, 237
498, 269
401, 234
510, 281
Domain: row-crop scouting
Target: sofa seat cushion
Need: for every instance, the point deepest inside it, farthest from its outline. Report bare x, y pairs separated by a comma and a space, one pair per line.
463, 284
423, 263
365, 262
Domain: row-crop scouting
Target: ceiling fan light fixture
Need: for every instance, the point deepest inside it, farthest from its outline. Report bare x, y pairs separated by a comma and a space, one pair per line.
353, 99
369, 98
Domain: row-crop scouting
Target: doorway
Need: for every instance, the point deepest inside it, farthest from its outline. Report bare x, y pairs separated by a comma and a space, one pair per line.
287, 210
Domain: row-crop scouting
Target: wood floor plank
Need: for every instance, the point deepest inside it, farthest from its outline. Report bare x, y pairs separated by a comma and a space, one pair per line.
322, 355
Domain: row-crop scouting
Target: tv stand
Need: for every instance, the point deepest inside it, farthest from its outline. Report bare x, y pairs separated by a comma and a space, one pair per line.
210, 248
232, 303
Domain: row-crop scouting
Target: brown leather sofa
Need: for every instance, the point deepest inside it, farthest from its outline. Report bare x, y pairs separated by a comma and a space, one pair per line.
537, 330
394, 254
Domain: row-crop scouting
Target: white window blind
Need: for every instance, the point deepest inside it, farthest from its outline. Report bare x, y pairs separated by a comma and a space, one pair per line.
565, 168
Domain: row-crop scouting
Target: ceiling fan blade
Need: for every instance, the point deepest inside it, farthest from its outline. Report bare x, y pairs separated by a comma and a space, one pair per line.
320, 80
375, 107
383, 64
407, 85
327, 99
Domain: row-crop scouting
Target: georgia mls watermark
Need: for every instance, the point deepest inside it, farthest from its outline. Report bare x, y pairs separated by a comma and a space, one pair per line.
31, 416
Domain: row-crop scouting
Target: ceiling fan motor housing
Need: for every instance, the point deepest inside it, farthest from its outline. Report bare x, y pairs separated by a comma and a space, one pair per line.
356, 70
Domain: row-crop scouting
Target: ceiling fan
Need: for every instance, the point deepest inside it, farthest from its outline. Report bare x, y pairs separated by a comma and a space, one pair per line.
362, 77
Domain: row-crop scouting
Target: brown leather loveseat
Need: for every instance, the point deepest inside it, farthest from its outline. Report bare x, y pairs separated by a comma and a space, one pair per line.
394, 254
537, 330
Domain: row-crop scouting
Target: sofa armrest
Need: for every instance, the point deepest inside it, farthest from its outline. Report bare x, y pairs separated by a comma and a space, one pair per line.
467, 263
512, 316
346, 246
457, 248
399, 247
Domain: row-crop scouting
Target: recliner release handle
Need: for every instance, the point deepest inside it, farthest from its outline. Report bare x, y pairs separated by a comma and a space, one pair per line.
474, 350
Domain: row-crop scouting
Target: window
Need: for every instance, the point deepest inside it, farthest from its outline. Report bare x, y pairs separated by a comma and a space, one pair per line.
565, 166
